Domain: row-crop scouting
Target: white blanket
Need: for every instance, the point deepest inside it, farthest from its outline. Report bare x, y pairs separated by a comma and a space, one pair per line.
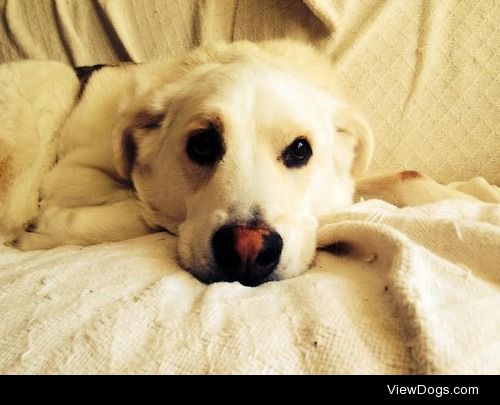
419, 292
425, 73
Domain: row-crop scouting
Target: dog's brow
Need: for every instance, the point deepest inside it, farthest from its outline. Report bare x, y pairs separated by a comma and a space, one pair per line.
203, 121
148, 119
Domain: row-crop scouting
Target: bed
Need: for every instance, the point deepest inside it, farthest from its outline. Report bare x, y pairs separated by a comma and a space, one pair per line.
419, 295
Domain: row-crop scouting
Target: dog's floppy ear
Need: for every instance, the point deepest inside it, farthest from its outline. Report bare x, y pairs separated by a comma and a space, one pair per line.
125, 138
350, 123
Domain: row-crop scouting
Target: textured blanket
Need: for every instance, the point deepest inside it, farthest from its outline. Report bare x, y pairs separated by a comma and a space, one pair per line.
396, 290
392, 290
416, 291
424, 72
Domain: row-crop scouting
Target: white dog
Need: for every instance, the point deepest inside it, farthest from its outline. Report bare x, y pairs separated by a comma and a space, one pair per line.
236, 148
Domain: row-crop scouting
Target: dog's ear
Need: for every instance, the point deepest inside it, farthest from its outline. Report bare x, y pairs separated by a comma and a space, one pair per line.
349, 123
125, 138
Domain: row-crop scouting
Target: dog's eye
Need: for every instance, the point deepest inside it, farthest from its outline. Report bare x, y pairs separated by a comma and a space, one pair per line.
297, 154
205, 147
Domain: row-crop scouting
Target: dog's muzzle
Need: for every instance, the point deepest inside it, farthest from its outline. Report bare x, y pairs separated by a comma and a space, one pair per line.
246, 253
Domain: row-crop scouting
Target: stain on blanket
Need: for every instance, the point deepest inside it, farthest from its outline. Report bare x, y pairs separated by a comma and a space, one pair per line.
6, 174
409, 175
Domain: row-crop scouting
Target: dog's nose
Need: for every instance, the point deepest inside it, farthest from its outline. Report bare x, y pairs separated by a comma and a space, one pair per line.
246, 253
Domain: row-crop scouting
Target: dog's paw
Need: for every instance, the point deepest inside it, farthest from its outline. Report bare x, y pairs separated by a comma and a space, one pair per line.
33, 241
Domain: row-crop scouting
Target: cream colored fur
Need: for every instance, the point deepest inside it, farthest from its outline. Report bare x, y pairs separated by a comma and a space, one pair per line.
122, 169
35, 98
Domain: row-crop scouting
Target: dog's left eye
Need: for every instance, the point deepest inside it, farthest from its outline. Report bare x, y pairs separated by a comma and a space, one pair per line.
205, 147
297, 154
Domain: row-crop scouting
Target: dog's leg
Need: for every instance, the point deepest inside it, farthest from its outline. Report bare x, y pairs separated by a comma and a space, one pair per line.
35, 98
406, 188
84, 226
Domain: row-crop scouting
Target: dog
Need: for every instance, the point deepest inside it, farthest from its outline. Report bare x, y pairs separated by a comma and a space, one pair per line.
238, 149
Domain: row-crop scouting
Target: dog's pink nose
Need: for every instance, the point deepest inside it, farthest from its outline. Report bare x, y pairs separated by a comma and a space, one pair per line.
246, 253
249, 242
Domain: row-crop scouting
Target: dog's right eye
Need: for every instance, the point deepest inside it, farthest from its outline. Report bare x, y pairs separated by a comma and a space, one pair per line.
297, 154
205, 147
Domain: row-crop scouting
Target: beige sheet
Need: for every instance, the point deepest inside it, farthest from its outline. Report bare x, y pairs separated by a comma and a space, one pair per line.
419, 292
426, 73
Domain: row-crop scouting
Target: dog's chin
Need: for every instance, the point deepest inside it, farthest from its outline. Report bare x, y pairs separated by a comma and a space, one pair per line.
196, 260
212, 275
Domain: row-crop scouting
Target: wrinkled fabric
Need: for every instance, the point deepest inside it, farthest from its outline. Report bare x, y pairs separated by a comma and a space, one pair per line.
415, 293
425, 73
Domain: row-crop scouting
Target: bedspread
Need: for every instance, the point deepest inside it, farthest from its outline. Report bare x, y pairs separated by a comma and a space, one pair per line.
425, 72
419, 293
418, 289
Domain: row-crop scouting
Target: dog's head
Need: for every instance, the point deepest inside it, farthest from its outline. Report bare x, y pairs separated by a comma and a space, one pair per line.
239, 158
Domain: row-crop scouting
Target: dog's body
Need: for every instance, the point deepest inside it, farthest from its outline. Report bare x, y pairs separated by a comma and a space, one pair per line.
240, 147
